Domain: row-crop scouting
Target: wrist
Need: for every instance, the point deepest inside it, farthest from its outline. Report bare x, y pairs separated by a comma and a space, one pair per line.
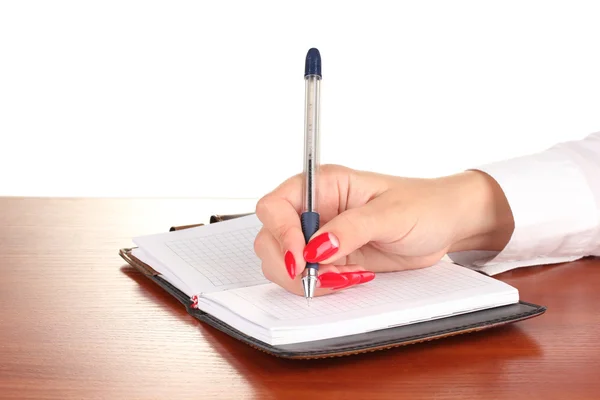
484, 219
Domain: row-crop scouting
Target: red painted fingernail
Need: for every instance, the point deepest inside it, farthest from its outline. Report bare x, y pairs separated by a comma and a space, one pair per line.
290, 264
354, 278
332, 280
321, 247
366, 276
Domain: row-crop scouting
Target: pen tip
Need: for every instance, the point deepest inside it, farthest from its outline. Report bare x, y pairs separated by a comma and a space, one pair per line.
313, 63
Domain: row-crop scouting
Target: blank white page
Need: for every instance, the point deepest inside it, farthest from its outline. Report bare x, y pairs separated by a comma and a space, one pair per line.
209, 258
390, 299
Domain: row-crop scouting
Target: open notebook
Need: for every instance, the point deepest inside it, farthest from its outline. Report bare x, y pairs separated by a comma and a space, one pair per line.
216, 268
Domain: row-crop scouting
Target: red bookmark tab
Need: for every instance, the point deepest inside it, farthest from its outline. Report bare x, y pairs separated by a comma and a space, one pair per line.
194, 301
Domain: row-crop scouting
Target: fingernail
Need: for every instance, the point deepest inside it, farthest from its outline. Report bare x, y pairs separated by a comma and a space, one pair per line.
357, 277
332, 280
366, 276
321, 247
290, 264
354, 278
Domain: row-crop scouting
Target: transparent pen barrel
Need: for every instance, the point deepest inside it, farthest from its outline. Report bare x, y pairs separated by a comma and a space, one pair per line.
311, 142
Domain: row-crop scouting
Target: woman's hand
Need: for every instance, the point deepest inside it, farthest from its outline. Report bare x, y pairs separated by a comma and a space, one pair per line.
377, 223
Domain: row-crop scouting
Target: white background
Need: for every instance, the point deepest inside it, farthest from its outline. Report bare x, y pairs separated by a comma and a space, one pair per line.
182, 98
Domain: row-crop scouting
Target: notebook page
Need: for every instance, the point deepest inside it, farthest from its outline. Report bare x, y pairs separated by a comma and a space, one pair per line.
165, 273
391, 299
209, 258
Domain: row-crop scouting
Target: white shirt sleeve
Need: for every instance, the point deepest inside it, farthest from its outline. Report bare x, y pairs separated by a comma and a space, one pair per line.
554, 196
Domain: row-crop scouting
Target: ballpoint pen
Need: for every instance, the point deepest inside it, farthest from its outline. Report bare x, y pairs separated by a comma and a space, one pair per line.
310, 217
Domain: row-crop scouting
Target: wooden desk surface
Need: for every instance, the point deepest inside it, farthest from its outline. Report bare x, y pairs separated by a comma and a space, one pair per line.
76, 322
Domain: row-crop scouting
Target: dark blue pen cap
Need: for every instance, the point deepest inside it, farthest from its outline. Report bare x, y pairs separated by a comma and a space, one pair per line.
313, 63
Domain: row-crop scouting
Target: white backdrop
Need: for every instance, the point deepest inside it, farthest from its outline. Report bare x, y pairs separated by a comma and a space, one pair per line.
182, 98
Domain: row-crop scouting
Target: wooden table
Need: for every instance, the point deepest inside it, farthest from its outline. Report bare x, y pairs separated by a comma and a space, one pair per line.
77, 322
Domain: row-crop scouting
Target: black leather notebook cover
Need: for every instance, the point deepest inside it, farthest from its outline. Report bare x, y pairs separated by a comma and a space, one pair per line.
352, 344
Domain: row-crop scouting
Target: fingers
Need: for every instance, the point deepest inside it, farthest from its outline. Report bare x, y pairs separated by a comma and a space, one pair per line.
344, 234
280, 219
331, 279
279, 212
343, 277
282, 242
266, 248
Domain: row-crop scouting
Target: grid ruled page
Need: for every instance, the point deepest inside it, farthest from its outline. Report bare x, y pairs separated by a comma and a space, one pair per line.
402, 288
224, 259
442, 288
209, 258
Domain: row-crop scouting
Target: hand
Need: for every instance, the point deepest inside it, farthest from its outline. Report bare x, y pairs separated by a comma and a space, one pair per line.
374, 223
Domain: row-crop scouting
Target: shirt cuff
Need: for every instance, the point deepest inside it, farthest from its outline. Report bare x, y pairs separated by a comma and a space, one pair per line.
554, 211
481, 261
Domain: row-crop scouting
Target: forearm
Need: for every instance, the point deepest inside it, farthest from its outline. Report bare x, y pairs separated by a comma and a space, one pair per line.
485, 220
537, 209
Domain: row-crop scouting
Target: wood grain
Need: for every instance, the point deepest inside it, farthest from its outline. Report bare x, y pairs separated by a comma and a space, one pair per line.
77, 322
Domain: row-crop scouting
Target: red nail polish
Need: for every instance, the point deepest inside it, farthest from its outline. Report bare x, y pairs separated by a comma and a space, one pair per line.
321, 247
354, 278
366, 276
290, 264
332, 280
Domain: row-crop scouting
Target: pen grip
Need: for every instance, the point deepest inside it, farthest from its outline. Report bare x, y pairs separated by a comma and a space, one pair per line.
310, 224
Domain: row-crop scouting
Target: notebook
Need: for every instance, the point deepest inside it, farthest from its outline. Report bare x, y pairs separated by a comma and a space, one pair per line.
213, 270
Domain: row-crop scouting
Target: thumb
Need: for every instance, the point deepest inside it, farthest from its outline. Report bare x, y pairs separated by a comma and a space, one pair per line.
344, 233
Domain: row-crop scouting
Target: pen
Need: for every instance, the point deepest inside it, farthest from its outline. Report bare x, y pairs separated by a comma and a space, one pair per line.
310, 216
